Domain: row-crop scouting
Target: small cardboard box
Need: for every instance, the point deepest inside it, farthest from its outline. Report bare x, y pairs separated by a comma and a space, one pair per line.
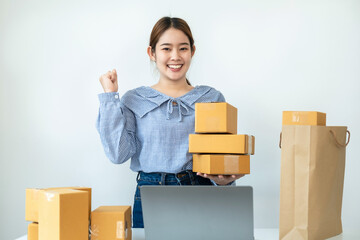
63, 215
221, 143
32, 201
218, 117
221, 164
304, 118
111, 222
33, 231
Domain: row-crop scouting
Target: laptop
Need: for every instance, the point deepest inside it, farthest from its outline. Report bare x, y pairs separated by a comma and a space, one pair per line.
198, 212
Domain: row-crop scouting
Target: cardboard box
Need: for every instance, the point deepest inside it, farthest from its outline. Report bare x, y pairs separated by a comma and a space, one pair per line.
87, 189
215, 118
221, 143
304, 118
63, 215
32, 204
221, 164
33, 231
32, 201
111, 222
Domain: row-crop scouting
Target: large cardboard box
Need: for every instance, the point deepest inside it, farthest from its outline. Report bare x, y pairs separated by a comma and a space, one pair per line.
111, 222
215, 118
63, 215
221, 143
33, 231
304, 118
32, 201
221, 164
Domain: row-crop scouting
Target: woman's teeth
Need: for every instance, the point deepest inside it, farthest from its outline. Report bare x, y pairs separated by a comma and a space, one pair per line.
175, 66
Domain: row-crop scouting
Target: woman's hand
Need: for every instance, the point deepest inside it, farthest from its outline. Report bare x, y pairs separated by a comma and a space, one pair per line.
221, 179
109, 81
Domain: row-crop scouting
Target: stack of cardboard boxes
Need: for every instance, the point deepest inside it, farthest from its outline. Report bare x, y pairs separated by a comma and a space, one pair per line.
58, 213
217, 148
64, 214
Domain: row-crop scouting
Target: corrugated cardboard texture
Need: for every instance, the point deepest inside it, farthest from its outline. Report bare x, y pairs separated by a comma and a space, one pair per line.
304, 118
63, 215
31, 204
220, 143
221, 164
33, 231
111, 222
215, 118
32, 201
87, 189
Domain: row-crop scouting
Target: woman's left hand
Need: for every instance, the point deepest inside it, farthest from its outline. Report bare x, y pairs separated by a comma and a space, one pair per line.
221, 179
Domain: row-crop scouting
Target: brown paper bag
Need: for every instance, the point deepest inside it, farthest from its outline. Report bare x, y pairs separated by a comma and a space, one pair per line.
312, 178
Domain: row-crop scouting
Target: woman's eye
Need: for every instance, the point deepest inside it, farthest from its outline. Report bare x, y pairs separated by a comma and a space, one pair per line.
183, 49
166, 49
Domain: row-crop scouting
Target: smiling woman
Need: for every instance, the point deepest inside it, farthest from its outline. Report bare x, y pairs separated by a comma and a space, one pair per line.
172, 54
151, 125
171, 43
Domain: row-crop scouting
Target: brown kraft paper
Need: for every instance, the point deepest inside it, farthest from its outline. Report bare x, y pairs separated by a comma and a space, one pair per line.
311, 184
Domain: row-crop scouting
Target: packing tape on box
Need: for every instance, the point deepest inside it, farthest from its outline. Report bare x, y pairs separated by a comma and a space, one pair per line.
231, 164
94, 232
120, 233
121, 229
49, 196
295, 117
250, 138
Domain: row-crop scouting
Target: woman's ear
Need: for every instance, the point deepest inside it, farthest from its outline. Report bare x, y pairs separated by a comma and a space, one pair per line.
151, 53
193, 51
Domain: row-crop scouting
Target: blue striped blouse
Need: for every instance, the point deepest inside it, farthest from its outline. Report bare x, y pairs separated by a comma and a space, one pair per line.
150, 127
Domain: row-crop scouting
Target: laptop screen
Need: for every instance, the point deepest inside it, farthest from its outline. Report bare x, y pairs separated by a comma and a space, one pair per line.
197, 212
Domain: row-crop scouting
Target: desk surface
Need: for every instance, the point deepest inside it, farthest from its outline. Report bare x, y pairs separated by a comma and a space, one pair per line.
260, 234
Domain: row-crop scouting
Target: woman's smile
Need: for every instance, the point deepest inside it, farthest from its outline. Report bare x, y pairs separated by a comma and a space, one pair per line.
175, 67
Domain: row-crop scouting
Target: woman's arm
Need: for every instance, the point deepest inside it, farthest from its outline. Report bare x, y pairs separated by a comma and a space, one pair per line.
115, 123
116, 126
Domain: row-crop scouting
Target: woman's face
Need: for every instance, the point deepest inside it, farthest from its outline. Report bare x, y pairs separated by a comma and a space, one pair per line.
172, 55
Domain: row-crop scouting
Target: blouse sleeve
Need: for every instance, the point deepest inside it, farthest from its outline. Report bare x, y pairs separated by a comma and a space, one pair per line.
212, 95
116, 126
221, 98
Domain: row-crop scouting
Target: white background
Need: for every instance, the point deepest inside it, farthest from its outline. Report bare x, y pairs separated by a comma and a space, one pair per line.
264, 56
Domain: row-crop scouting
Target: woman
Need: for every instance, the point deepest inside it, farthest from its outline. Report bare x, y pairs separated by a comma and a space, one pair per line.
151, 125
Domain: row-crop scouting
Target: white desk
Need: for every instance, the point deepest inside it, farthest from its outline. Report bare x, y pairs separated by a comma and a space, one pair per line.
260, 234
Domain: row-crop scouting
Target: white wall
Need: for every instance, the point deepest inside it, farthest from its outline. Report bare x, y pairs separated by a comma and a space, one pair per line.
265, 56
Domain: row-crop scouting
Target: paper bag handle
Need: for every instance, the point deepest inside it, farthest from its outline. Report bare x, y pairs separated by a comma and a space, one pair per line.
337, 142
334, 135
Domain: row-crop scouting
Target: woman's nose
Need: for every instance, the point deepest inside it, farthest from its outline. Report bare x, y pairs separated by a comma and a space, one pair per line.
175, 55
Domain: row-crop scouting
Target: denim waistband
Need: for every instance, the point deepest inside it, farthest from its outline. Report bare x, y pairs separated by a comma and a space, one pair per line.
162, 177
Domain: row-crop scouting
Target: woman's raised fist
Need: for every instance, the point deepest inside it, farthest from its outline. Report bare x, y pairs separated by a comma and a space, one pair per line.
109, 81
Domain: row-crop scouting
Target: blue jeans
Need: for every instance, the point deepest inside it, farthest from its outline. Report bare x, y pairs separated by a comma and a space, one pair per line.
182, 178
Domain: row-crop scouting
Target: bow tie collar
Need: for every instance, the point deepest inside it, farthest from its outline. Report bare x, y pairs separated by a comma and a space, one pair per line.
142, 100
182, 108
